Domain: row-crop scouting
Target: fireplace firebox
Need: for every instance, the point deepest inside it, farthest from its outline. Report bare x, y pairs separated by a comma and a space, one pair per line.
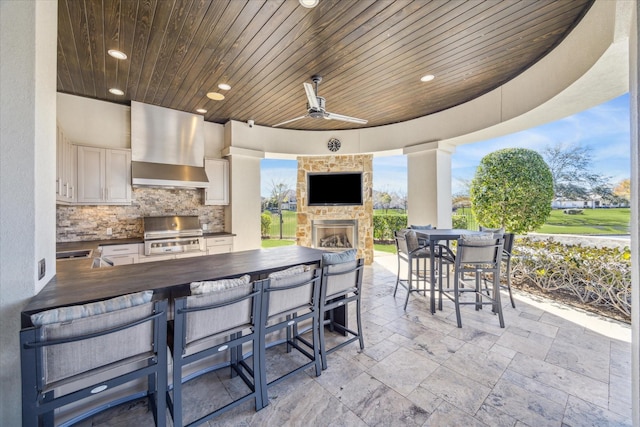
334, 234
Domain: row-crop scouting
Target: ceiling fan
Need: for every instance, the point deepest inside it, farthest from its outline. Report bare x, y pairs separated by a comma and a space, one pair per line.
316, 109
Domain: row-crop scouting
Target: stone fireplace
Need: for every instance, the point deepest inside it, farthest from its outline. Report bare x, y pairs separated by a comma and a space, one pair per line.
340, 227
334, 234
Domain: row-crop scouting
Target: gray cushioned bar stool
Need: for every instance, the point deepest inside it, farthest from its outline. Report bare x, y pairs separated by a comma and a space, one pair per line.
477, 255
217, 320
73, 356
413, 254
506, 256
290, 301
341, 286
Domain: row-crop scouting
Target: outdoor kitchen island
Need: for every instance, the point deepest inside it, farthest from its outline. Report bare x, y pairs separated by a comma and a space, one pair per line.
77, 283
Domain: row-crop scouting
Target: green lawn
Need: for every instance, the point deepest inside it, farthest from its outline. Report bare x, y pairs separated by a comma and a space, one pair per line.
273, 243
590, 222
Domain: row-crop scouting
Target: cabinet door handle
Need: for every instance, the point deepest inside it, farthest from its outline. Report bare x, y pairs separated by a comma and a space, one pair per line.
58, 191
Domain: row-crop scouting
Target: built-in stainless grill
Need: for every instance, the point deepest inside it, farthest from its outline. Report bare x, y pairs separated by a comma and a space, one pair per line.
172, 234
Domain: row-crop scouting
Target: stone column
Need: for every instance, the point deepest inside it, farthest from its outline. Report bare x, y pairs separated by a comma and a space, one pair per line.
429, 184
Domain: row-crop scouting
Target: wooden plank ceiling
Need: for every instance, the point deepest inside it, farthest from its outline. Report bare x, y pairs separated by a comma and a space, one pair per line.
371, 54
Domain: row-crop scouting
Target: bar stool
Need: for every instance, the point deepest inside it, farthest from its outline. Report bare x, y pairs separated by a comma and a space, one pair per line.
506, 256
476, 255
290, 300
76, 353
410, 252
219, 318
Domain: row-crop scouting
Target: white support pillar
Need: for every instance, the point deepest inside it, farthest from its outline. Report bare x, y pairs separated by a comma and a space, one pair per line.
634, 83
242, 216
429, 184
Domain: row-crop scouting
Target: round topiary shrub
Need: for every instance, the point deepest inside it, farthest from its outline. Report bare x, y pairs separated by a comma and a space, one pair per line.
512, 188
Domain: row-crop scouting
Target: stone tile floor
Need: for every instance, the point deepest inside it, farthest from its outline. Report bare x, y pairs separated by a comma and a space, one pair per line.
550, 366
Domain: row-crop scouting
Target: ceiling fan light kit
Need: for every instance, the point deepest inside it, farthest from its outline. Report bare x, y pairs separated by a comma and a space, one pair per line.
316, 106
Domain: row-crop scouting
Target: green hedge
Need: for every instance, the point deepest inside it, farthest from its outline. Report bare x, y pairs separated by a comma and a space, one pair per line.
265, 224
385, 225
459, 221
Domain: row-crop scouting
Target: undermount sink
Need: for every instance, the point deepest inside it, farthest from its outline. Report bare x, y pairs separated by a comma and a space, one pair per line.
80, 253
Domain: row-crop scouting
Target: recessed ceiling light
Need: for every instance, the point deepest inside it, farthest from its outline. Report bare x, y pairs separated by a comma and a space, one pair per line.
201, 110
427, 78
117, 54
309, 3
224, 86
116, 91
215, 96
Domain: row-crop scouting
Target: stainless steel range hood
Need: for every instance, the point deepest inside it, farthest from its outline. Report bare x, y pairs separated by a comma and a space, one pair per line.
167, 148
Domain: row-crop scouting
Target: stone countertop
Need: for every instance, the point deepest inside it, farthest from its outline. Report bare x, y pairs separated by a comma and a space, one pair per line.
93, 244
76, 282
75, 264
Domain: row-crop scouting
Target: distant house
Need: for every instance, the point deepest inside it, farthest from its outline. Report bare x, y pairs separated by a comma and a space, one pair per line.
593, 202
576, 204
291, 203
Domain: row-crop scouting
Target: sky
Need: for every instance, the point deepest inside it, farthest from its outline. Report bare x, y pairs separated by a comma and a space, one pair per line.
604, 129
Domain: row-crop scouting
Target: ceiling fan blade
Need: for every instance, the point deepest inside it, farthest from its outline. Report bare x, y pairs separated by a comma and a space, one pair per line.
289, 121
333, 116
311, 96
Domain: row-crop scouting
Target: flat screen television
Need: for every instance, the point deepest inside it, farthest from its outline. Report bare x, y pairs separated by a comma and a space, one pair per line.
333, 189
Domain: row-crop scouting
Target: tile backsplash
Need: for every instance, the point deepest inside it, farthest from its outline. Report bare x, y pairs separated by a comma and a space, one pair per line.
90, 222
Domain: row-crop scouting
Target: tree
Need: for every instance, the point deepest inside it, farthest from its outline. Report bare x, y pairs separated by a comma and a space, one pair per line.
279, 193
512, 188
623, 189
570, 167
385, 200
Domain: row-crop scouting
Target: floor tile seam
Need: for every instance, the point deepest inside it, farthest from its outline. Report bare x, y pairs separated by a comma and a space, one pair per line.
552, 386
443, 401
469, 379
597, 406
334, 396
486, 402
587, 375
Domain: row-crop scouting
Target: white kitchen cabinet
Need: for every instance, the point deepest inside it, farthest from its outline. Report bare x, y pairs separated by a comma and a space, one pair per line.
104, 176
65, 168
217, 193
121, 254
219, 245
154, 258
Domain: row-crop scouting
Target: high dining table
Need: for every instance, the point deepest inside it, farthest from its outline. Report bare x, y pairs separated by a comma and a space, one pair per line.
433, 236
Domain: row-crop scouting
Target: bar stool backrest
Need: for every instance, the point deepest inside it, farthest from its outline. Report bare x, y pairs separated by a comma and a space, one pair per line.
485, 249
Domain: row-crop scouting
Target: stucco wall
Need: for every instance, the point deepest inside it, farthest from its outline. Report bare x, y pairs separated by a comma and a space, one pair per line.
27, 198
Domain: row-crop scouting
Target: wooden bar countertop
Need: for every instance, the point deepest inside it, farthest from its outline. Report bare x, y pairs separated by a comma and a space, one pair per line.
77, 283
